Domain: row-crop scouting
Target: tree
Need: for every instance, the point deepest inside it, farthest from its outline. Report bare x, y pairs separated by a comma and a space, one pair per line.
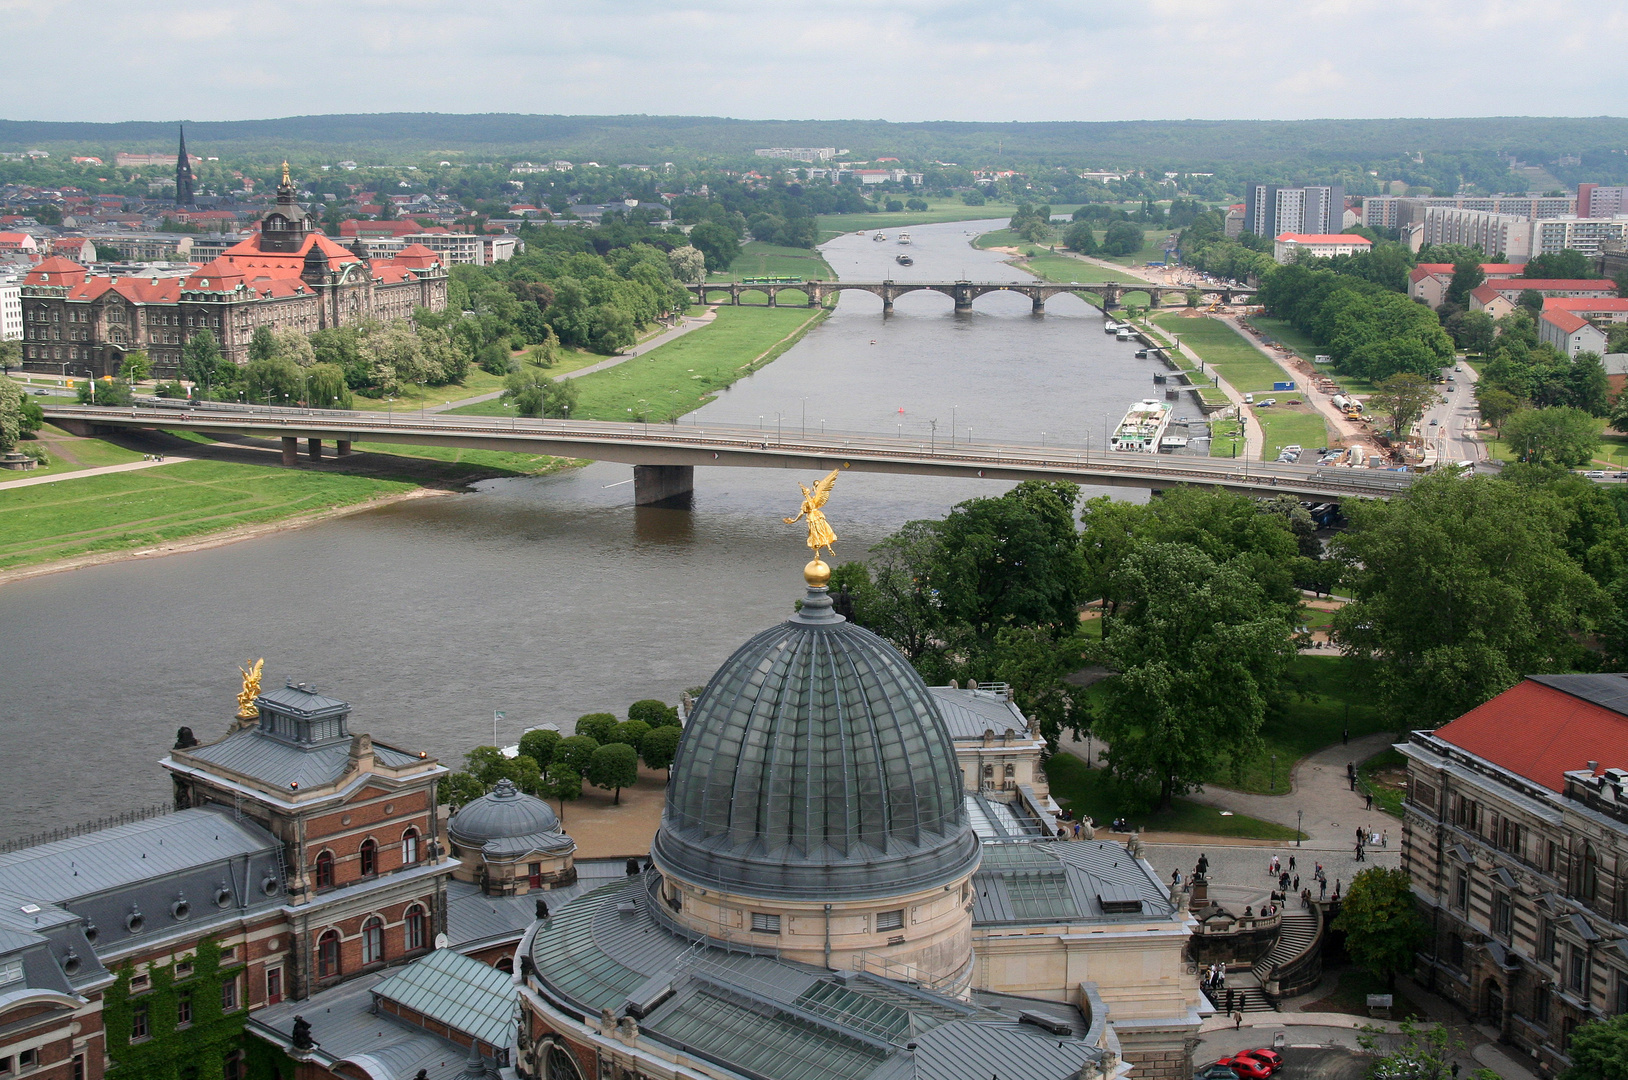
575, 752
1587, 385
597, 726
1621, 280
1599, 1050
108, 253
892, 596
1467, 277
653, 712
1475, 331
564, 783
1531, 302
1197, 648
688, 264
273, 380
539, 744
136, 366
1122, 238
200, 359
293, 345
1404, 398
1425, 1053
1460, 587
262, 343
1567, 436
325, 387
460, 788
615, 765
974, 198
1496, 404
659, 746
717, 243
1567, 265
11, 414
1382, 926
108, 391
535, 394
630, 732
1081, 237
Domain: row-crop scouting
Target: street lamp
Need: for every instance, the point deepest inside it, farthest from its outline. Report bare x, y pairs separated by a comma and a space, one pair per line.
805, 417
1274, 773
952, 423
932, 438
1298, 814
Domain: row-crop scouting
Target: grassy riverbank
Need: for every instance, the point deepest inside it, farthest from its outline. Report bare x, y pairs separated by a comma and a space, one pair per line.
686, 373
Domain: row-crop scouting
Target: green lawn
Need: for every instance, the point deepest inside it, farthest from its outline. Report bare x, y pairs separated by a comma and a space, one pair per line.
1064, 269
1220, 347
70, 453
1382, 774
488, 460
1152, 249
135, 510
686, 373
771, 260
1208, 393
1325, 692
1094, 793
1307, 349
477, 382
1290, 427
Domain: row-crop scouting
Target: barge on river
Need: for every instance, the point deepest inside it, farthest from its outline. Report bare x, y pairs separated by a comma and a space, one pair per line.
1142, 428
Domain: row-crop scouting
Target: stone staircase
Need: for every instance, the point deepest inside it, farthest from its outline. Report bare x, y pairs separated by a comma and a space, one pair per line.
1247, 995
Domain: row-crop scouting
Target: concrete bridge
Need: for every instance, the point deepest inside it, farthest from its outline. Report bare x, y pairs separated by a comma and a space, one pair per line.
963, 293
664, 456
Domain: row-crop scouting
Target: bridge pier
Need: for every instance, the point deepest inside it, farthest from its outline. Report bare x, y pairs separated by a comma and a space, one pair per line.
1039, 304
663, 485
291, 450
342, 448
314, 447
963, 302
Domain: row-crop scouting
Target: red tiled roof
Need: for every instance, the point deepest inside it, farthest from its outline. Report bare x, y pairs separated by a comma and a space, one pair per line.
55, 271
1539, 732
1325, 238
1485, 293
1585, 303
415, 256
247, 254
1599, 285
1565, 320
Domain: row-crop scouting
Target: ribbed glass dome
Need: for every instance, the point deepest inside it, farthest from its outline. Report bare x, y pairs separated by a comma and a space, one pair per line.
816, 762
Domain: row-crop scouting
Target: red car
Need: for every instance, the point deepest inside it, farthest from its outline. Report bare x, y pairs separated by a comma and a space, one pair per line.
1270, 1056
1248, 1066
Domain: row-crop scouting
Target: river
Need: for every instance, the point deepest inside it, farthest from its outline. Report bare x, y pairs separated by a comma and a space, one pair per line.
547, 597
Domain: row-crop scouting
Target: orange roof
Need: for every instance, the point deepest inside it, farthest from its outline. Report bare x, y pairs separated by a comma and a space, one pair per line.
1600, 285
1565, 320
416, 257
1546, 726
1485, 293
1324, 238
247, 254
56, 271
1585, 303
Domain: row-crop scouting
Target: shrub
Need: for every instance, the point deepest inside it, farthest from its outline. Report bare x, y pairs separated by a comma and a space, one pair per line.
659, 747
540, 744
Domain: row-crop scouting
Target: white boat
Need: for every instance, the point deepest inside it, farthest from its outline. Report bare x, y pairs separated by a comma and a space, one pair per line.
1124, 333
880, 236
1142, 428
1111, 327
904, 238
1172, 442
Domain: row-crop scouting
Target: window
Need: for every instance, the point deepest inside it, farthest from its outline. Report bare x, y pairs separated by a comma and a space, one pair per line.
228, 953
1455, 951
183, 968
28, 1059
765, 924
79, 1067
1546, 942
11, 971
138, 1023
325, 870
232, 1067
1574, 970
534, 875
140, 982
409, 847
1461, 889
228, 995
373, 940
416, 928
183, 1008
5, 1066
370, 857
890, 920
274, 986
1549, 857
1500, 914
1622, 992
1540, 1004
328, 954
1589, 880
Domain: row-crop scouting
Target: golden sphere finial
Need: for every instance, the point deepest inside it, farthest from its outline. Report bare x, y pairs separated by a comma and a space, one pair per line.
817, 574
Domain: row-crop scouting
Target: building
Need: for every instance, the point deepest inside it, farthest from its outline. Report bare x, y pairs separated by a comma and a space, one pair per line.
453, 249
1505, 236
998, 750
1588, 235
1595, 200
288, 274
809, 154
183, 173
123, 160
1498, 297
1270, 210
1570, 333
11, 309
1233, 224
1287, 246
1429, 281
148, 247
1515, 835
81, 249
496, 249
19, 243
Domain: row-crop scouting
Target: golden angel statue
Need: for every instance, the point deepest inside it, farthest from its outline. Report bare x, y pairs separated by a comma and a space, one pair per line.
251, 690
819, 530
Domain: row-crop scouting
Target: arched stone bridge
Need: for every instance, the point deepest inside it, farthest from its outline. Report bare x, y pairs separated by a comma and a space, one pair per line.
962, 292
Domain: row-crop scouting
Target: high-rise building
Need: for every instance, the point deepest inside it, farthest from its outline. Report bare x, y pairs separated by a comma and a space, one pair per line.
1270, 210
1594, 200
183, 174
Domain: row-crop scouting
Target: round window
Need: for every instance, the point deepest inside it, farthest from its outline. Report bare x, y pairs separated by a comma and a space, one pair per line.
180, 909
134, 922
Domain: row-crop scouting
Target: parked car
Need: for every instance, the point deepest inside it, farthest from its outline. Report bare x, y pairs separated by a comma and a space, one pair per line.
1594, 474
1247, 1066
1268, 1055
1215, 1072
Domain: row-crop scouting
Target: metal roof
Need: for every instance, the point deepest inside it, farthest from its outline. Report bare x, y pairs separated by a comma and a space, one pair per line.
125, 854
816, 762
503, 813
969, 713
1609, 691
1065, 881
252, 752
464, 994
345, 1028
474, 916
302, 701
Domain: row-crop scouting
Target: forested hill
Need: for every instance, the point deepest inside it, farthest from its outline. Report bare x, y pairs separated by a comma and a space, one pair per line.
1179, 144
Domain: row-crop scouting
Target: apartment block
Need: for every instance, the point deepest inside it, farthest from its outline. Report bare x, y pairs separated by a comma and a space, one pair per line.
1596, 200
1270, 210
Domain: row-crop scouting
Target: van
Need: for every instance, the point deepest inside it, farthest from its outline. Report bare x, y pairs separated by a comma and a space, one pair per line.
1249, 399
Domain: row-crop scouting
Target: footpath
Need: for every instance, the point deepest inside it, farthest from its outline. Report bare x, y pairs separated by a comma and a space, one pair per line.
129, 466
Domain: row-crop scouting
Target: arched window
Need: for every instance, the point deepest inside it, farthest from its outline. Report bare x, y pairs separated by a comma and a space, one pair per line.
328, 954
325, 870
409, 847
506, 964
370, 857
1590, 882
416, 928
558, 1064
373, 941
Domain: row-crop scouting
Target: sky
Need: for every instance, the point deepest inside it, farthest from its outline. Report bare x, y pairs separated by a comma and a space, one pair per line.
899, 60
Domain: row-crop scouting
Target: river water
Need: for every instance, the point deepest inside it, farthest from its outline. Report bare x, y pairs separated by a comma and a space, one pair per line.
547, 597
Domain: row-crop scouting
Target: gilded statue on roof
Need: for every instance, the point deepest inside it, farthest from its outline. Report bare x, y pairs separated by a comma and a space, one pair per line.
246, 709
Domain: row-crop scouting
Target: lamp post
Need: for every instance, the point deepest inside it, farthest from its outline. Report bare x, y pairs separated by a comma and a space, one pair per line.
1274, 773
1298, 814
805, 417
932, 438
952, 423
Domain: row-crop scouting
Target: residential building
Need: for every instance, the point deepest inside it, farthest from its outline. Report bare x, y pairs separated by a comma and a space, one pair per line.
496, 249
1595, 200
809, 154
149, 247
1233, 224
1498, 297
1588, 235
1429, 281
123, 160
1270, 210
19, 242
80, 249
11, 308
1496, 235
1570, 333
453, 249
287, 274
1379, 211
1515, 836
1288, 245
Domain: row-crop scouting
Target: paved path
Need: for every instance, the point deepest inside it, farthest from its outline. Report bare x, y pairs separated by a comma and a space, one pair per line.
687, 324
129, 466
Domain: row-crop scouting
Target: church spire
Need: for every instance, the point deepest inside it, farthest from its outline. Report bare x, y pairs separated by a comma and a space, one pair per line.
183, 173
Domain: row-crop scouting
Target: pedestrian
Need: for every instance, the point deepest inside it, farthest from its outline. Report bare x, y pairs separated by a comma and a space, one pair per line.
1322, 888
1229, 1000
1385, 839
1175, 879
1359, 853
1291, 862
1368, 798
1237, 1020
1336, 890
1297, 883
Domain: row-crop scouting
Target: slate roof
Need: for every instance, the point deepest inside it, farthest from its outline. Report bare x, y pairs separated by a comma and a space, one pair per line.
776, 1019
464, 994
252, 752
969, 713
1547, 725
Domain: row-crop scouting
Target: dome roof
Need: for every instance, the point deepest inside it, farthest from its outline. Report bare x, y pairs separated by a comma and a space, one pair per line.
501, 814
815, 763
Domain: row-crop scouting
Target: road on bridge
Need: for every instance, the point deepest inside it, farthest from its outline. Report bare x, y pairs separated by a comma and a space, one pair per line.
684, 445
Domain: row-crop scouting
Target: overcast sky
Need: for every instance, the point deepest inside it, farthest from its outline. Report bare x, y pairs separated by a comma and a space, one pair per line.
816, 59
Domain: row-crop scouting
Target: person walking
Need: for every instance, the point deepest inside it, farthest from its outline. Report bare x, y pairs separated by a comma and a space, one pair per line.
1322, 888
1385, 838
1359, 854
1297, 883
1351, 774
1291, 862
1237, 1019
1368, 799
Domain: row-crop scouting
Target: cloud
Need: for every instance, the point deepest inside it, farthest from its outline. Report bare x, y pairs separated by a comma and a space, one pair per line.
990, 60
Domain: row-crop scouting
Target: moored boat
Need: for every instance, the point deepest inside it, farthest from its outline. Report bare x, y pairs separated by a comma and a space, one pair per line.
1142, 428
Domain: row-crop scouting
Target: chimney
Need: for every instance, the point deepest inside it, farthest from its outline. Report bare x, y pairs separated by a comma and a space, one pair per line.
1593, 767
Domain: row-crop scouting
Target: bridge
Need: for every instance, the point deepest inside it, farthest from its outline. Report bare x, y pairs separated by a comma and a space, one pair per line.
963, 293
664, 456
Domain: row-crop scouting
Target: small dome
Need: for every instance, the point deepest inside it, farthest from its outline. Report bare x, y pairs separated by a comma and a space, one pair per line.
502, 813
816, 763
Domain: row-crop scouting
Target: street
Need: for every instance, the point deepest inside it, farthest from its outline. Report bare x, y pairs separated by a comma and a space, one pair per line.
1450, 425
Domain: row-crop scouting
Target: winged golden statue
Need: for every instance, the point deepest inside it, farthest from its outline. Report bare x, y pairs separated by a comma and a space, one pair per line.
251, 689
819, 530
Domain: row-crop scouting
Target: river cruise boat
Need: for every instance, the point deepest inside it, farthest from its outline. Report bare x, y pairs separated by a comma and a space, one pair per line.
1142, 428
904, 238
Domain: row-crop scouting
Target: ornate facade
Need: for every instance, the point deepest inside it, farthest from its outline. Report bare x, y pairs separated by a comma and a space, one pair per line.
287, 275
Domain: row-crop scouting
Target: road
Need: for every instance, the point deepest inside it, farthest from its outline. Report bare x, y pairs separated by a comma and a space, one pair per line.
1450, 425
